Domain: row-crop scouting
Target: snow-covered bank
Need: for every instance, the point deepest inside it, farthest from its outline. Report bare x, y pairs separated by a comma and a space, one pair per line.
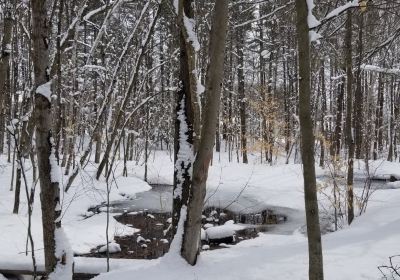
351, 253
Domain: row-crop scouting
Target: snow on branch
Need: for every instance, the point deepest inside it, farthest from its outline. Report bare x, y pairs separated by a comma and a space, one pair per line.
374, 68
312, 22
94, 12
335, 13
311, 19
113, 9
264, 16
71, 27
385, 43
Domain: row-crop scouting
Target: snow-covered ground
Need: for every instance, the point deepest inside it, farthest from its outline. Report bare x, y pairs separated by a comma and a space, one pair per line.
351, 253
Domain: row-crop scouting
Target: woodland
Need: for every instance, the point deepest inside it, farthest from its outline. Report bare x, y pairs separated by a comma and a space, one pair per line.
199, 139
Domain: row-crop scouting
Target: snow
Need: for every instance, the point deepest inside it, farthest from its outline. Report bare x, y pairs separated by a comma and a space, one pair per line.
314, 36
200, 89
55, 173
191, 33
140, 239
353, 252
112, 248
312, 22
185, 155
226, 230
176, 244
7, 48
311, 19
176, 6
395, 185
45, 90
374, 68
62, 271
341, 9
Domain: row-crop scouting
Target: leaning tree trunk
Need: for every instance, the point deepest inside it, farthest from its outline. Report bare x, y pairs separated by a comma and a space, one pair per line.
307, 145
185, 145
53, 238
214, 78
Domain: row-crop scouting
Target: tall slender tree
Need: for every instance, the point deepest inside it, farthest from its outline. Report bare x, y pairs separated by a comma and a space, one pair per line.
307, 144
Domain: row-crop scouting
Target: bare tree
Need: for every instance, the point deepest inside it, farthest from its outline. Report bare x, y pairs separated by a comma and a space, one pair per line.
307, 144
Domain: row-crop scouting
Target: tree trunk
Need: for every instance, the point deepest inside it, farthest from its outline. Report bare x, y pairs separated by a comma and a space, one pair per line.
242, 97
358, 97
49, 183
307, 145
349, 120
378, 118
323, 113
214, 78
184, 141
5, 69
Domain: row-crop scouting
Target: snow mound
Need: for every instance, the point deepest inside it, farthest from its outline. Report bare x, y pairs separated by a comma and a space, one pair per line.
112, 248
226, 230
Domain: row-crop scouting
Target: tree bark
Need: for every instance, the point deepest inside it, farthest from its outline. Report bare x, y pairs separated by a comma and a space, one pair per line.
358, 96
214, 78
5, 69
240, 36
49, 185
185, 117
307, 145
349, 118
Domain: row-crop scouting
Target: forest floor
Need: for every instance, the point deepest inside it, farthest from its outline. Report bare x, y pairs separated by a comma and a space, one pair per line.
353, 252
